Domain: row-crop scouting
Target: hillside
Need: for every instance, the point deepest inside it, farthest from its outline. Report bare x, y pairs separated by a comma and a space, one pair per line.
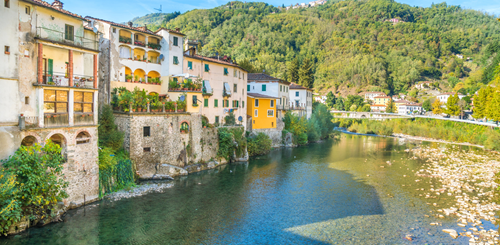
351, 43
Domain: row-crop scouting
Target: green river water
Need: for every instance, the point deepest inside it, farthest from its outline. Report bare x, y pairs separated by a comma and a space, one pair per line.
333, 192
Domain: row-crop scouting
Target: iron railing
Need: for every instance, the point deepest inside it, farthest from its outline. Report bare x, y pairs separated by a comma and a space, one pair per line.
59, 36
62, 79
83, 118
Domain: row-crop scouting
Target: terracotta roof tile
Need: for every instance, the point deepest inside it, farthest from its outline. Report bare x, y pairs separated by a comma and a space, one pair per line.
296, 86
170, 30
262, 77
257, 95
142, 29
48, 5
215, 60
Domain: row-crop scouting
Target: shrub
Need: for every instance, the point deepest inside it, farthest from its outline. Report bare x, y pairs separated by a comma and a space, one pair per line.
259, 145
109, 136
231, 142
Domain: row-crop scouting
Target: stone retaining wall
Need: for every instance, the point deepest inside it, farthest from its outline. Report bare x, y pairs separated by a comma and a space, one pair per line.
274, 133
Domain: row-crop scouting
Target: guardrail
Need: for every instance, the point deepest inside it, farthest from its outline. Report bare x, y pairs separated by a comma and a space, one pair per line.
59, 36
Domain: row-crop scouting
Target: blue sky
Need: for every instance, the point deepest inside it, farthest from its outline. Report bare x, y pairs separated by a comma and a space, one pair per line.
124, 10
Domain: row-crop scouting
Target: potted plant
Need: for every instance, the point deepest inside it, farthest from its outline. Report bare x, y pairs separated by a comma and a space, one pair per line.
136, 78
128, 78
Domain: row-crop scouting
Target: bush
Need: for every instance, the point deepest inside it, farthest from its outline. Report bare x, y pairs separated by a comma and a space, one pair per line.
30, 184
231, 142
109, 136
259, 145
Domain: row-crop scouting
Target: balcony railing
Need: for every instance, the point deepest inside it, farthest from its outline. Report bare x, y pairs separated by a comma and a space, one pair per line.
83, 118
62, 79
154, 46
283, 107
58, 36
56, 119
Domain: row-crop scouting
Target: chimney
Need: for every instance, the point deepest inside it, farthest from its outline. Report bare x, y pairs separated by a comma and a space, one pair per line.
177, 29
57, 4
145, 27
130, 23
192, 46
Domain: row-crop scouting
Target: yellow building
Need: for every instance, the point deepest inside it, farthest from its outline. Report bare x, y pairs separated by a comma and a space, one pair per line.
381, 100
262, 109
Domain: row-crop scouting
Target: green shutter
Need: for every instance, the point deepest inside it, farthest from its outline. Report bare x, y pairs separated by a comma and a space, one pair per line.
207, 68
190, 65
263, 87
216, 103
50, 68
206, 103
242, 104
195, 100
248, 88
237, 103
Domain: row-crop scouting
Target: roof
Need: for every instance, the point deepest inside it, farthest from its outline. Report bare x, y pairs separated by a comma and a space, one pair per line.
402, 101
372, 93
378, 105
382, 97
296, 86
449, 93
264, 77
49, 6
257, 95
412, 104
142, 29
169, 30
215, 60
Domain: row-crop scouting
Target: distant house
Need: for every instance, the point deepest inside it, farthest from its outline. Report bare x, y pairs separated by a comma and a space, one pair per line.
321, 99
378, 108
460, 56
402, 102
371, 95
423, 85
395, 20
409, 108
382, 100
444, 96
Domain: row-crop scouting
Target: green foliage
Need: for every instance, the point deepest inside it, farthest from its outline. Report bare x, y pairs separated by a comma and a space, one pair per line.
319, 126
391, 107
230, 119
109, 135
31, 184
232, 141
349, 42
306, 75
452, 107
330, 100
427, 105
355, 100
259, 145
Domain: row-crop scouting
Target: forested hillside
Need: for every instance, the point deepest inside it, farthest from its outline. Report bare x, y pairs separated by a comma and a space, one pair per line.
351, 43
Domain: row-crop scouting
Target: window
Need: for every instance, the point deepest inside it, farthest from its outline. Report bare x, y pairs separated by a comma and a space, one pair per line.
243, 75
175, 79
242, 104
235, 88
195, 100
239, 74
256, 102
84, 102
270, 113
281, 88
216, 119
216, 103
55, 101
147, 149
226, 72
227, 103
287, 89
234, 73
272, 103
146, 131
190, 65
69, 33
176, 41
7, 3
82, 138
205, 103
263, 87
248, 87
176, 60
255, 113
27, 100
7, 49
207, 68
114, 30
27, 9
296, 94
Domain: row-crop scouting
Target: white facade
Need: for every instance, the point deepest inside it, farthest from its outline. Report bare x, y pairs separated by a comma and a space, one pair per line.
275, 89
408, 109
371, 95
378, 108
320, 99
301, 99
444, 97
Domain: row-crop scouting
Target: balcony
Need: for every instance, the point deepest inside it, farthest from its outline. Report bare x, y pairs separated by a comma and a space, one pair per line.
283, 107
62, 80
62, 38
154, 46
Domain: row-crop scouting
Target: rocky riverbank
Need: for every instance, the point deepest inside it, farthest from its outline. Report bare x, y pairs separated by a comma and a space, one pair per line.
468, 178
139, 191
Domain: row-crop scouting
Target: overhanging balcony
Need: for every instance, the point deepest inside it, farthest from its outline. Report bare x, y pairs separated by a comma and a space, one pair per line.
61, 38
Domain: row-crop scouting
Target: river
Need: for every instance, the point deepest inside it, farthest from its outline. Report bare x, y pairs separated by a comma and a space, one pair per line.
341, 192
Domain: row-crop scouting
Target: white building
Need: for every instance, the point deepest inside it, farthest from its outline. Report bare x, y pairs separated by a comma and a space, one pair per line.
264, 84
423, 85
378, 108
409, 108
371, 95
444, 96
301, 100
321, 99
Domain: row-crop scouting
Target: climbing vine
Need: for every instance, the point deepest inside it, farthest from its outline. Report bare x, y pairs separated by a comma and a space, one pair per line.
232, 142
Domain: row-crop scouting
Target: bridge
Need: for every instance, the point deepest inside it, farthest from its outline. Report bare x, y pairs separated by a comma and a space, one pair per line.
385, 116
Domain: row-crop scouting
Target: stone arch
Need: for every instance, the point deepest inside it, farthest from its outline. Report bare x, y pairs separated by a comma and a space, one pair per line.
32, 134
363, 116
184, 126
82, 137
29, 141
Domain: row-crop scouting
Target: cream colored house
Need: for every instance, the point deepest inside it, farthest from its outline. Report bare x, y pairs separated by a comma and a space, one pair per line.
224, 85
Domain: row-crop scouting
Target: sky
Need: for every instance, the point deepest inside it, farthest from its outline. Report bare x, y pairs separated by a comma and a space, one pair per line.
125, 10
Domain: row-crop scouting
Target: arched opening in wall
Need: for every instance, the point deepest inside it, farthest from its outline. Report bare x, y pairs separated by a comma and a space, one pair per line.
139, 54
125, 37
29, 141
139, 40
83, 138
154, 77
204, 121
139, 75
125, 52
184, 128
128, 74
61, 141
154, 43
153, 57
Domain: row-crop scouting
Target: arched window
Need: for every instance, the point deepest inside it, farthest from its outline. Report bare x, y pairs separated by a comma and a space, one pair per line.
58, 139
184, 128
82, 138
29, 141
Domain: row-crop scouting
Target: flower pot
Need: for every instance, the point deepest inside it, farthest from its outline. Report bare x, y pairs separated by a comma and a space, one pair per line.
128, 80
133, 110
204, 126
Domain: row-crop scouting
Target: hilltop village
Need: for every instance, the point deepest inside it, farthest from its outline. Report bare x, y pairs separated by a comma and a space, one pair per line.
59, 69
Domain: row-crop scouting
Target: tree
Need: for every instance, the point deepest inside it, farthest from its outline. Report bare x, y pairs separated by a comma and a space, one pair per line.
353, 100
339, 104
306, 75
366, 108
427, 105
452, 107
493, 108
293, 71
109, 135
481, 100
436, 107
330, 100
391, 107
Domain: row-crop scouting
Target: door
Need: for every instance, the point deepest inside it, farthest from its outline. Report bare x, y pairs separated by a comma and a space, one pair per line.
50, 69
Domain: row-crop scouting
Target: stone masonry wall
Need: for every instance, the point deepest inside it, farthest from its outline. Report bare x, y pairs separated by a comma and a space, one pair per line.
166, 143
274, 133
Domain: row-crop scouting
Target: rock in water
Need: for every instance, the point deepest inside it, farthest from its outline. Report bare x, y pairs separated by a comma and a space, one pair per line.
453, 233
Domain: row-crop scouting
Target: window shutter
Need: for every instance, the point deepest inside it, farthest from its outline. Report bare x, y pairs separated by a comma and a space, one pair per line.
263, 87
248, 88
206, 103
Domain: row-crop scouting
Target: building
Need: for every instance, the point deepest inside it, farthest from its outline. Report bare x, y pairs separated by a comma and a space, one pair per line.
444, 96
50, 85
301, 100
370, 96
423, 85
320, 98
224, 85
137, 57
410, 108
264, 84
378, 108
397, 103
382, 100
262, 111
